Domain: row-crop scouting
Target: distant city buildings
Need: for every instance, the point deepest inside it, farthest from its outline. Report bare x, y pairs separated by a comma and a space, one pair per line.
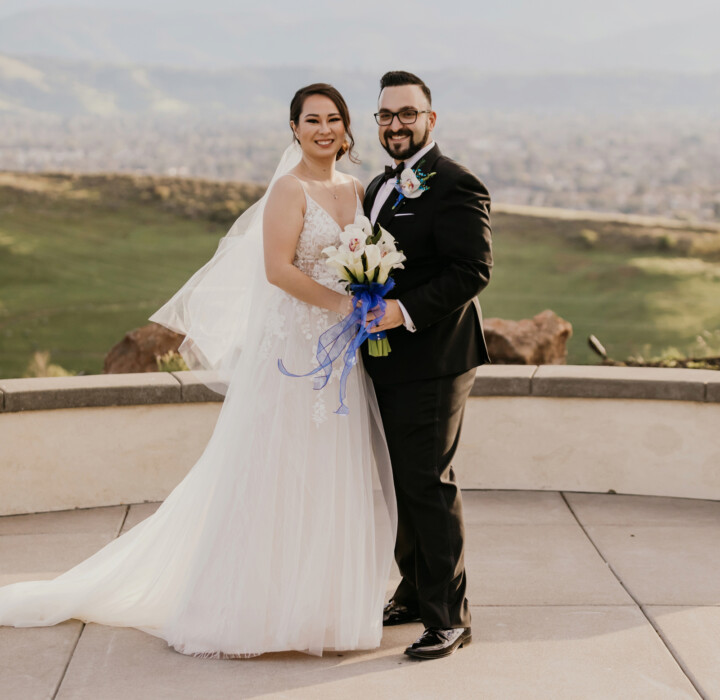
652, 164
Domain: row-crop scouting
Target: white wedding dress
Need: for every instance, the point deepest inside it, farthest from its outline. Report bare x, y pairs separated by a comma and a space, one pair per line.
279, 538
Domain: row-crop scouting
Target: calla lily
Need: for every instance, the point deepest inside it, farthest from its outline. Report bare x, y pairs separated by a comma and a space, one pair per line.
350, 261
386, 243
391, 261
356, 266
357, 259
341, 270
373, 257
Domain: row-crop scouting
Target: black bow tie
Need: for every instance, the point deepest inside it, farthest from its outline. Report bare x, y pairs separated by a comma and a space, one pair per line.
391, 172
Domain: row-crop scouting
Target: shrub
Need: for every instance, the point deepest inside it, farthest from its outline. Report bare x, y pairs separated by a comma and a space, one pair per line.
667, 241
40, 366
171, 361
589, 237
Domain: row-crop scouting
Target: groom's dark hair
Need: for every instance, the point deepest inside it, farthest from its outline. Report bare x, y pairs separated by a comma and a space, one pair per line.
395, 78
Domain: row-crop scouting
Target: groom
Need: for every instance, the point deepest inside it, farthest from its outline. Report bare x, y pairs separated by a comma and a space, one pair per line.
434, 328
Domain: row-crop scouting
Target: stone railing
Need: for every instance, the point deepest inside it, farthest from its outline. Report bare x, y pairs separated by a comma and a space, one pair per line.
76, 442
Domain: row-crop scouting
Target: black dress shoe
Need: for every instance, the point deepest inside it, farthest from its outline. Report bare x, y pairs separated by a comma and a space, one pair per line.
396, 614
436, 643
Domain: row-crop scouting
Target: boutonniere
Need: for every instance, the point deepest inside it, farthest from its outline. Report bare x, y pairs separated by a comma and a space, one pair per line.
411, 184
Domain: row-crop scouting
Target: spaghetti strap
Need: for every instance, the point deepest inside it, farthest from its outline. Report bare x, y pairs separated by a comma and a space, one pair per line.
359, 202
302, 184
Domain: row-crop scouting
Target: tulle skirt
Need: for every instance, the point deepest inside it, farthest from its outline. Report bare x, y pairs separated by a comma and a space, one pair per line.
279, 538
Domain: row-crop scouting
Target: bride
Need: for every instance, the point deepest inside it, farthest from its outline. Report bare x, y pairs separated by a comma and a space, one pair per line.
281, 535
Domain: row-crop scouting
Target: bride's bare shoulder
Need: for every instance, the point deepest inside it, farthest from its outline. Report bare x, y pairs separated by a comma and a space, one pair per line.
287, 191
351, 181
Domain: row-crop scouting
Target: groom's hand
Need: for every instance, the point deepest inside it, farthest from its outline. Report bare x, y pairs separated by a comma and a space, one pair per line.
392, 319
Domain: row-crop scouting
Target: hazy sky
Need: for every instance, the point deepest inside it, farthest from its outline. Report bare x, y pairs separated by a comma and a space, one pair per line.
515, 36
581, 19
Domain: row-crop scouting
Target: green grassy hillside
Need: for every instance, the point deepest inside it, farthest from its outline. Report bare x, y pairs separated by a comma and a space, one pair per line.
641, 286
83, 259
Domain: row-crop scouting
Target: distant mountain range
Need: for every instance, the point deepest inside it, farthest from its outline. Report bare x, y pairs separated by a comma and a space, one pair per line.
45, 86
268, 35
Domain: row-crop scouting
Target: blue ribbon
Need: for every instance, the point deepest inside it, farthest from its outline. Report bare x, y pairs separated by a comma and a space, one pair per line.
347, 335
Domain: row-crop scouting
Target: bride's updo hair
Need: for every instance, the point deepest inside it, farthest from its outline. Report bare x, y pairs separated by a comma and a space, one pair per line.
296, 107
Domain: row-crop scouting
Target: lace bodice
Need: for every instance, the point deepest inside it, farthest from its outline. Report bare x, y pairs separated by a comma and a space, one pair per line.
319, 231
298, 325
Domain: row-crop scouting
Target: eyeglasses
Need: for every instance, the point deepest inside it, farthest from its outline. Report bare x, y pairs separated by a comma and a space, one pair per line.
405, 116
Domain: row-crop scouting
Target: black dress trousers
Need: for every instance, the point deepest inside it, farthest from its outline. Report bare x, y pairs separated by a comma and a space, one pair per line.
422, 421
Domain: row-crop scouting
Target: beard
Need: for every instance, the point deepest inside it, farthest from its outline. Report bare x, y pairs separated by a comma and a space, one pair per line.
413, 146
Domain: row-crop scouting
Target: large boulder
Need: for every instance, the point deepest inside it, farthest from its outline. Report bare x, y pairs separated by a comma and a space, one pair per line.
138, 350
541, 340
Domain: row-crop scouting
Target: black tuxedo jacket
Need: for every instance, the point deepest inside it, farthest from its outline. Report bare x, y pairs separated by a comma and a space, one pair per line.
445, 235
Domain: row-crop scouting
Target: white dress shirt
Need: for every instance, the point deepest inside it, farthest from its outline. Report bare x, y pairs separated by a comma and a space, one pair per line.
389, 186
383, 193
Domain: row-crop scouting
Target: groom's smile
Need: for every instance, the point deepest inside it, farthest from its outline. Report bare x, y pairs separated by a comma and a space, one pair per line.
399, 145
399, 138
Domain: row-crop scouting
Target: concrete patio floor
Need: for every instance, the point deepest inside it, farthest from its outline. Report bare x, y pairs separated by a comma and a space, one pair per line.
574, 596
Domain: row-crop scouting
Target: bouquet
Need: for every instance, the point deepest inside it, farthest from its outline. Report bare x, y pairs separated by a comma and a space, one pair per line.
364, 260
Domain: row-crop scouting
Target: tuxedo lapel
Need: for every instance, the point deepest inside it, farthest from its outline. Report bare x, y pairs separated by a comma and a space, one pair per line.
370, 195
386, 211
427, 162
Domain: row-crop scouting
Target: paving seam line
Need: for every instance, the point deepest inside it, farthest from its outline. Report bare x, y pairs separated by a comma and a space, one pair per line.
666, 642
122, 523
67, 665
82, 629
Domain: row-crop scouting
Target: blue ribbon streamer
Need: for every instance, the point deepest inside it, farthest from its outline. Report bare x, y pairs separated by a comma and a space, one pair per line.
347, 335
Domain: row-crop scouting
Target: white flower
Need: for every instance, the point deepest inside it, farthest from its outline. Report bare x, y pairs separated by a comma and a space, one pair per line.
409, 184
388, 262
352, 241
373, 257
337, 265
379, 258
355, 235
364, 223
386, 243
346, 261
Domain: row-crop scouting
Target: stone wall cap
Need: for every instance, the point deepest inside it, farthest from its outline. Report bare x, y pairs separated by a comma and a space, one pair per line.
525, 371
503, 380
712, 388
44, 393
193, 386
561, 381
597, 381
